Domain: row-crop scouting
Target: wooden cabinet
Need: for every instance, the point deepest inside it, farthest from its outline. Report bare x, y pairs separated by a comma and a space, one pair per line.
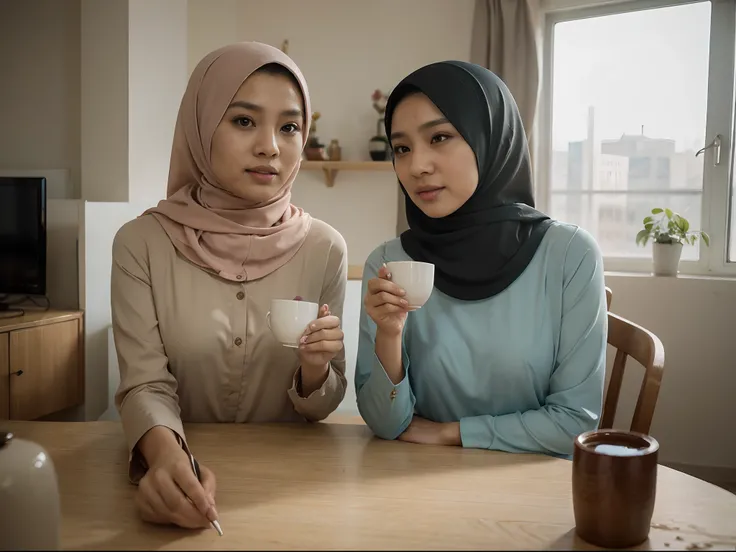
41, 364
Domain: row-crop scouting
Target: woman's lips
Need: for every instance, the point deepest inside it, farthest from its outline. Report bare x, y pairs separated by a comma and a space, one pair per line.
430, 194
263, 177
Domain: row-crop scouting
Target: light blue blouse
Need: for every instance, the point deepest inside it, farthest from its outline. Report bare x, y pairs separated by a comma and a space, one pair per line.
522, 371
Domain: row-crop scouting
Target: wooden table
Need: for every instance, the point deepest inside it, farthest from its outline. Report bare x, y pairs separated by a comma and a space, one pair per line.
334, 486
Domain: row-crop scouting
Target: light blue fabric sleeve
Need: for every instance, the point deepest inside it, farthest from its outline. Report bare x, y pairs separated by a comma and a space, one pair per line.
575, 397
386, 408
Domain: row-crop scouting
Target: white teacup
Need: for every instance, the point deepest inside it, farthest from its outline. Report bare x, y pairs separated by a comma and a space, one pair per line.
416, 278
288, 319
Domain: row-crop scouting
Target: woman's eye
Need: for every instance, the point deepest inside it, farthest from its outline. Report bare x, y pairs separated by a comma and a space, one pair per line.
398, 150
243, 121
290, 128
439, 138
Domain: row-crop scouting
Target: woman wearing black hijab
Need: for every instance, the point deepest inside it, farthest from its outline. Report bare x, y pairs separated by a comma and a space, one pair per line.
508, 353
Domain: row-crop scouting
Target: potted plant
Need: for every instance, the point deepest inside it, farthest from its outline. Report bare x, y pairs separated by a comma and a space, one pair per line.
314, 150
378, 144
668, 231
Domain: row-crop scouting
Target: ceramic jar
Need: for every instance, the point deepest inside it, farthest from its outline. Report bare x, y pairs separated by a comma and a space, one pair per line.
29, 496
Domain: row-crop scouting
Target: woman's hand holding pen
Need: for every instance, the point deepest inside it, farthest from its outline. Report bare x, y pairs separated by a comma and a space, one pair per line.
170, 491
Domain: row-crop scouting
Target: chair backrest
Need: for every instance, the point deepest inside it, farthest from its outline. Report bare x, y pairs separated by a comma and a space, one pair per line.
609, 296
631, 340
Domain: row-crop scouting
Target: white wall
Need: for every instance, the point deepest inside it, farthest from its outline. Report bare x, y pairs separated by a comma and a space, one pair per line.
101, 221
350, 322
346, 50
134, 71
134, 61
39, 94
157, 78
695, 319
104, 93
62, 256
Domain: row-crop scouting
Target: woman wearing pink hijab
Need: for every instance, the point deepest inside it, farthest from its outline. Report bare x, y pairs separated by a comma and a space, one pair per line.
193, 278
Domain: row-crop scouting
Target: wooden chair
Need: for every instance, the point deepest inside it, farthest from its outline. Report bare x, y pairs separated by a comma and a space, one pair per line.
631, 340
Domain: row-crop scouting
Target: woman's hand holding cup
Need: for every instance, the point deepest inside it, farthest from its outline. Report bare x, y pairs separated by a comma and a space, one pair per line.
385, 303
322, 339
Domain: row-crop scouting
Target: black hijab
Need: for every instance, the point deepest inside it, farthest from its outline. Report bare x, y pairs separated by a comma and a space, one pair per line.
481, 248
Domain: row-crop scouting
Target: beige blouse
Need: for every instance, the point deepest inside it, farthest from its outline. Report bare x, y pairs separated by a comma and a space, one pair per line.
194, 347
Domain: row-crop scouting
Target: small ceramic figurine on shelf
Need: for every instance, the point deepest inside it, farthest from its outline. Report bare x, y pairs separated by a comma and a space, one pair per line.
334, 151
378, 145
314, 150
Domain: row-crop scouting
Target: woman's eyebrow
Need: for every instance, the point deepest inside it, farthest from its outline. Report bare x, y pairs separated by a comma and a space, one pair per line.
423, 126
256, 107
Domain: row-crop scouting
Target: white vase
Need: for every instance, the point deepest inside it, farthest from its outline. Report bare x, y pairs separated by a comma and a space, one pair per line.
666, 258
30, 508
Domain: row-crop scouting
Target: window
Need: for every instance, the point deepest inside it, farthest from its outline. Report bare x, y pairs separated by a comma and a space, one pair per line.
631, 94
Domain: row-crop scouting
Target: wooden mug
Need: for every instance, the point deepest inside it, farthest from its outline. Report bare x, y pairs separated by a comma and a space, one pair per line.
614, 481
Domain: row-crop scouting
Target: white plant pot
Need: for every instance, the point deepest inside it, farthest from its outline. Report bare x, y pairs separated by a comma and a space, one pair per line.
666, 258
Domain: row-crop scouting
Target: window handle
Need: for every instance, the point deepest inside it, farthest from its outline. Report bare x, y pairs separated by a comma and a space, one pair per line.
716, 144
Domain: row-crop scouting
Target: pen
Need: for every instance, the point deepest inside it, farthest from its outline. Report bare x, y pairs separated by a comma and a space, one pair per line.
198, 473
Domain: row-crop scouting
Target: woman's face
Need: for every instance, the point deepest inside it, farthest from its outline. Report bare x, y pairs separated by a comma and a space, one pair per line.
432, 160
258, 142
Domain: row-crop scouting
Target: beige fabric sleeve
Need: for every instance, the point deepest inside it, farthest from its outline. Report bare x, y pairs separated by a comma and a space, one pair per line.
146, 396
323, 401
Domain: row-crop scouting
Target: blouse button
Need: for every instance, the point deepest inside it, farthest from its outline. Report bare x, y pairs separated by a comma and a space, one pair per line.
238, 341
240, 296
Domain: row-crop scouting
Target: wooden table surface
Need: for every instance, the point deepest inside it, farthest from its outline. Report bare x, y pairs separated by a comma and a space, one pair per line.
335, 486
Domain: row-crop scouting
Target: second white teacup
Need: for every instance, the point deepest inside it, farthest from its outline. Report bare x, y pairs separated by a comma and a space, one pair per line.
416, 278
289, 318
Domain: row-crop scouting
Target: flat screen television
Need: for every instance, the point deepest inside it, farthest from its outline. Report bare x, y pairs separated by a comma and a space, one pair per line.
22, 236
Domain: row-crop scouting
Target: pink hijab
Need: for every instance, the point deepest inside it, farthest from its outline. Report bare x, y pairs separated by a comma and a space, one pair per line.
214, 229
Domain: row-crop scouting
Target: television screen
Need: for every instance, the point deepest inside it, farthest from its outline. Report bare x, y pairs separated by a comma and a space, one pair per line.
22, 235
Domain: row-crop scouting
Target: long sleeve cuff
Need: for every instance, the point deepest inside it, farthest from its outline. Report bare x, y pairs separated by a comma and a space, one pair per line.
141, 412
476, 432
321, 402
387, 407
545, 430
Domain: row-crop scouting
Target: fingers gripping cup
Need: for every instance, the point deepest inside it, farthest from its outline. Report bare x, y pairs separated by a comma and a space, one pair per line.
416, 278
288, 319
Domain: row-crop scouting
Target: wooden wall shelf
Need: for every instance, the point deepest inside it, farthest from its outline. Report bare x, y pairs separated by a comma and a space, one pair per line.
331, 168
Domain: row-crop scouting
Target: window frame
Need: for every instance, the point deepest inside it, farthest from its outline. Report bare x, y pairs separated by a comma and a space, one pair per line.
717, 180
